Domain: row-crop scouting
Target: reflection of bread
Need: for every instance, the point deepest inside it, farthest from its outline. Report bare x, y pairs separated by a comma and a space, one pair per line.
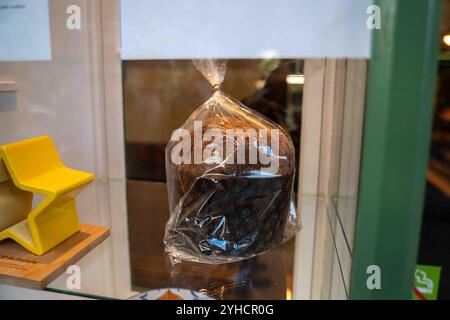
168, 295
229, 210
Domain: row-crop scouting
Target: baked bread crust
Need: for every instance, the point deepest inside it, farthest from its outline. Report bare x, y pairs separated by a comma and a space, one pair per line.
229, 210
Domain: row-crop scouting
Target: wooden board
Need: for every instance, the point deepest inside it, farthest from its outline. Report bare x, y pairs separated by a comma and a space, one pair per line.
19, 267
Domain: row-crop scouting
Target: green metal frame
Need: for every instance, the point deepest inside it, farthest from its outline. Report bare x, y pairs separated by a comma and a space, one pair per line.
396, 142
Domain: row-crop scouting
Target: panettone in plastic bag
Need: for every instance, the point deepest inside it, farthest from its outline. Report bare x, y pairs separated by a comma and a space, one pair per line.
230, 175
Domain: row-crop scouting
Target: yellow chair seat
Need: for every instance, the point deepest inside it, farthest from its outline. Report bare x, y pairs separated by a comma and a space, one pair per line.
59, 181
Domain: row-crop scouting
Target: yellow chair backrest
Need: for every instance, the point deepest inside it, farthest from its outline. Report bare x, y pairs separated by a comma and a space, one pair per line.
32, 157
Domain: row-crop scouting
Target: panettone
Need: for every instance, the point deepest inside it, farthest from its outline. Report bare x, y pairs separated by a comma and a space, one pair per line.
223, 211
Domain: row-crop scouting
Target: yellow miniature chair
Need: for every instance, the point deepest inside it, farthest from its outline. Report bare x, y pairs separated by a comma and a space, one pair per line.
33, 166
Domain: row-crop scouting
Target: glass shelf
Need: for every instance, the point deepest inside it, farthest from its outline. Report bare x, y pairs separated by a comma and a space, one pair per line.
268, 276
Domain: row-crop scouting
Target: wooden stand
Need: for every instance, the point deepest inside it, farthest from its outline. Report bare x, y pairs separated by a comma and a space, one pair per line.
19, 267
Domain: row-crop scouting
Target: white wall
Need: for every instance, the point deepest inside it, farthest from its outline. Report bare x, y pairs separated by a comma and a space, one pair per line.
180, 29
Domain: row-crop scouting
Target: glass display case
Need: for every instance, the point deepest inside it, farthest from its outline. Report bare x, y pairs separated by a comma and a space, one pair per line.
111, 93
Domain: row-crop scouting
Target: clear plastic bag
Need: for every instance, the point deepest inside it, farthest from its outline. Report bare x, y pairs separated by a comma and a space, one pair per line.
230, 176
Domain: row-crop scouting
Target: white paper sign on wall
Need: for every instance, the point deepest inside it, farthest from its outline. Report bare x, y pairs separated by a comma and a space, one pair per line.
24, 30
185, 29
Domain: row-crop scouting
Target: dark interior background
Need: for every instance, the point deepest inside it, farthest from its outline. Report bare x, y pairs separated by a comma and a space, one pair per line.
435, 238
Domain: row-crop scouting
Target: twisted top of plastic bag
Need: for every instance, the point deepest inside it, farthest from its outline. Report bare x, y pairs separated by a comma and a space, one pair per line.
213, 70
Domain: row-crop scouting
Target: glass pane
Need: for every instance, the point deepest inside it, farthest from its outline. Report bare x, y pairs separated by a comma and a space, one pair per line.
158, 97
114, 117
